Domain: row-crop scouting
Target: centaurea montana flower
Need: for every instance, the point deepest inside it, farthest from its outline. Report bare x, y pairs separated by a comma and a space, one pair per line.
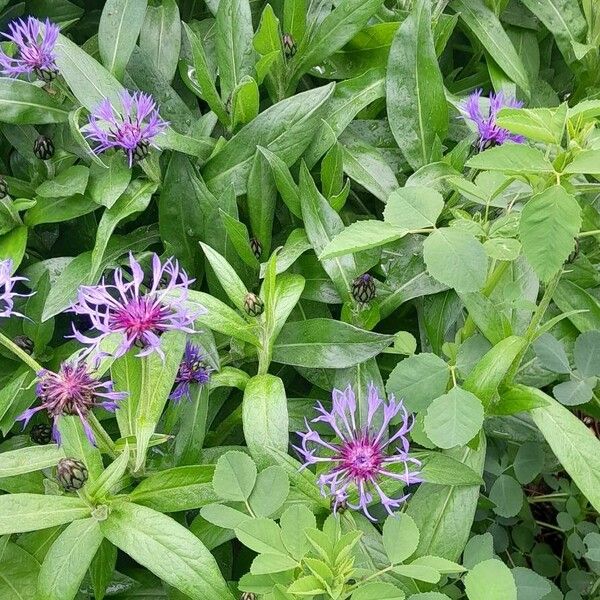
489, 133
72, 391
34, 43
7, 295
131, 129
140, 314
191, 370
358, 456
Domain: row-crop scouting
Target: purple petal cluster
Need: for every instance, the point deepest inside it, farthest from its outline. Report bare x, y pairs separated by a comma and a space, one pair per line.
359, 457
489, 134
139, 313
72, 391
191, 370
132, 128
34, 43
7, 295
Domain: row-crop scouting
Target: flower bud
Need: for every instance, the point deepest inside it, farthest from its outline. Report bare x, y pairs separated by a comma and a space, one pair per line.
254, 305
363, 288
248, 596
41, 434
43, 147
573, 256
71, 474
3, 188
141, 151
289, 45
25, 343
256, 248
46, 74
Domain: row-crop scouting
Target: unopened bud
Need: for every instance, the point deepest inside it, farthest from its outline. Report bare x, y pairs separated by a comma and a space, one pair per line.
43, 147
363, 288
25, 343
248, 596
256, 248
289, 45
71, 474
3, 188
45, 74
141, 151
41, 434
254, 305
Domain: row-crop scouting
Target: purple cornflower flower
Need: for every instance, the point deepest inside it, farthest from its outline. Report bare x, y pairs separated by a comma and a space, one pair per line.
132, 130
72, 391
7, 295
140, 316
489, 133
34, 42
191, 370
358, 457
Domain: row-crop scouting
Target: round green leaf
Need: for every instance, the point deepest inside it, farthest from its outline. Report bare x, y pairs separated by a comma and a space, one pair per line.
587, 353
490, 580
507, 495
456, 258
454, 418
400, 537
413, 207
235, 476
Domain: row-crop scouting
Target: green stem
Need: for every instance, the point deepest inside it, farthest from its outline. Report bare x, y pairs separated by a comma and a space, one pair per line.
536, 319
589, 233
28, 360
104, 441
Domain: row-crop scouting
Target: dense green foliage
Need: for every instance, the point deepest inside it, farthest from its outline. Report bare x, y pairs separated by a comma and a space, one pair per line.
401, 194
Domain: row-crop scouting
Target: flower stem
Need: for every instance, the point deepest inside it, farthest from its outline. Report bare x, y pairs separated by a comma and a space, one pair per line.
28, 360
104, 441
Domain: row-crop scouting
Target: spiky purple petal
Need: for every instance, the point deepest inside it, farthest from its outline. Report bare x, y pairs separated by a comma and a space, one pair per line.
489, 133
34, 43
7, 294
359, 455
140, 314
191, 370
73, 390
129, 128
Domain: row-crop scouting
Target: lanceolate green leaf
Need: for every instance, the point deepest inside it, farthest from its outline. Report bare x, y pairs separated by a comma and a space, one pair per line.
286, 129
482, 21
26, 460
571, 441
24, 103
118, 31
234, 44
415, 92
265, 417
337, 28
444, 514
68, 560
28, 512
167, 549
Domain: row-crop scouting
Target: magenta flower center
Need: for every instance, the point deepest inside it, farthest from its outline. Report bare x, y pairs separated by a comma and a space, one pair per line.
140, 316
362, 458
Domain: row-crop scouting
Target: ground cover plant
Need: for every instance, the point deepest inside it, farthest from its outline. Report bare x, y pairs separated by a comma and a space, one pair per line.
299, 299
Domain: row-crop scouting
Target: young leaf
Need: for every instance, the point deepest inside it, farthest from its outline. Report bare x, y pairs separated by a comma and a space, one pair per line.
400, 538
549, 223
490, 580
68, 560
166, 548
413, 207
416, 102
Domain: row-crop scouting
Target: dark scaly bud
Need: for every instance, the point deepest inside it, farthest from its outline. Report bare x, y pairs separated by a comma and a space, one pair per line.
43, 147
256, 248
46, 74
289, 45
141, 151
363, 288
41, 434
3, 188
71, 474
573, 256
248, 596
25, 343
254, 305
